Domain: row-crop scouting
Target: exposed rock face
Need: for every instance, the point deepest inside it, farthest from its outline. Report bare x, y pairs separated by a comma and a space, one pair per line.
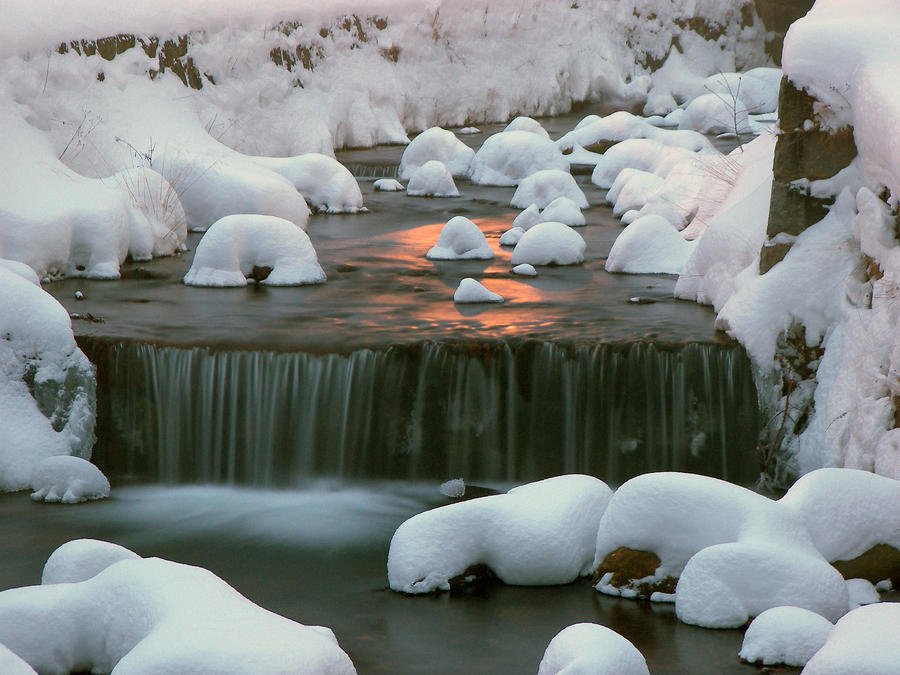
635, 571
878, 563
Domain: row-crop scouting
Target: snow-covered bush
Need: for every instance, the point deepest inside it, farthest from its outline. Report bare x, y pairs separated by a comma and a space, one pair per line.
756, 90
153, 615
510, 156
438, 144
471, 291
785, 635
235, 245
649, 245
460, 239
432, 179
549, 244
68, 480
542, 187
326, 184
536, 534
591, 648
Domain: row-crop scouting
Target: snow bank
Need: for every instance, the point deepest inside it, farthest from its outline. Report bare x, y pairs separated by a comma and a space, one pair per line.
153, 615
460, 239
68, 480
539, 533
471, 291
235, 245
326, 184
785, 635
436, 144
591, 648
47, 386
432, 179
649, 245
863, 642
543, 187
511, 156
549, 244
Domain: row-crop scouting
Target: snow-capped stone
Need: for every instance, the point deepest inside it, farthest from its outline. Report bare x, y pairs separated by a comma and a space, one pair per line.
235, 245
528, 124
432, 179
68, 480
757, 89
388, 185
632, 190
512, 236
563, 210
436, 144
453, 488
10, 664
637, 153
325, 183
508, 157
82, 559
863, 642
542, 187
785, 635
591, 648
528, 218
468, 131
471, 291
650, 245
549, 244
460, 239
21, 269
861, 592
524, 270
715, 114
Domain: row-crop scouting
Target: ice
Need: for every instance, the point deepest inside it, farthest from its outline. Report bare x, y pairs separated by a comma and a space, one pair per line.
460, 239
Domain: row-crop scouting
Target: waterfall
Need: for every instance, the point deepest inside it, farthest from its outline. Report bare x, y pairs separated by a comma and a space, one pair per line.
484, 411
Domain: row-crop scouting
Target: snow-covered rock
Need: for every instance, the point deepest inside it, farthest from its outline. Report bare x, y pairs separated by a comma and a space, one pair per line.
861, 592
716, 114
864, 642
460, 239
756, 89
510, 156
528, 218
619, 126
512, 236
549, 244
388, 185
632, 189
432, 179
153, 615
563, 210
649, 245
785, 635
523, 123
542, 187
235, 245
436, 144
536, 534
594, 649
524, 270
326, 184
80, 559
68, 480
471, 291
12, 664
637, 153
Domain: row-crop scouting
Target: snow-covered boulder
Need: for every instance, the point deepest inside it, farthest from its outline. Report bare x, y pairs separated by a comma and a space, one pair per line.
153, 615
471, 291
536, 534
432, 179
388, 185
542, 187
650, 245
594, 649
512, 236
549, 244
235, 245
632, 189
524, 270
785, 635
81, 559
716, 114
510, 156
460, 239
436, 144
637, 153
47, 386
22, 270
68, 480
10, 664
756, 89
326, 184
864, 642
563, 210
528, 124
528, 218
604, 132
861, 592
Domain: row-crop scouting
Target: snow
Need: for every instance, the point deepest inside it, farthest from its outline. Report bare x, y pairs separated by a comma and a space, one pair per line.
436, 144
151, 615
528, 124
388, 185
235, 245
591, 648
632, 189
549, 244
864, 642
621, 126
81, 559
563, 210
432, 179
460, 239
536, 534
12, 664
509, 157
715, 114
756, 89
471, 291
649, 245
524, 270
326, 184
637, 153
528, 218
545, 186
453, 488
861, 592
512, 236
785, 635
68, 480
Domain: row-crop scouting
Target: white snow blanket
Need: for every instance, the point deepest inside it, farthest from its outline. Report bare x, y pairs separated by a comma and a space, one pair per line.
536, 534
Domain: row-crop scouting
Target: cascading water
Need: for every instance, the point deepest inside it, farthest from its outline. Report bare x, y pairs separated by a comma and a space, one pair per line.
489, 411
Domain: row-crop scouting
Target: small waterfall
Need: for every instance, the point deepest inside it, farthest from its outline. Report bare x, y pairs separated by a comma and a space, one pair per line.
371, 170
482, 411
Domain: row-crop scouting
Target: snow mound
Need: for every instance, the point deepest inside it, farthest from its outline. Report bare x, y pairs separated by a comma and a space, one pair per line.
153, 615
460, 239
563, 210
82, 559
10, 664
471, 291
512, 236
650, 245
591, 648
716, 114
235, 245
157, 222
528, 218
453, 488
47, 386
528, 124
524, 270
542, 187
508, 157
432, 179
603, 132
468, 131
536, 534
68, 480
549, 244
864, 642
632, 189
326, 184
21, 269
861, 592
436, 144
756, 90
388, 185
785, 635
637, 153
